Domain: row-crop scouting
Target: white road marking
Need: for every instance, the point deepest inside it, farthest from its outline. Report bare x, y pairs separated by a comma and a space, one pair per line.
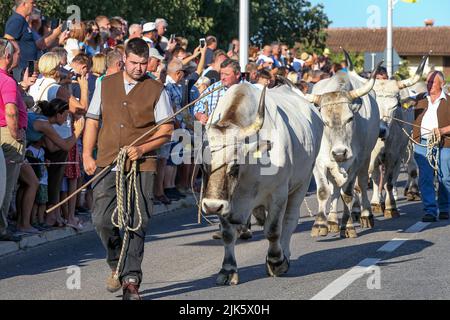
419, 226
341, 283
392, 245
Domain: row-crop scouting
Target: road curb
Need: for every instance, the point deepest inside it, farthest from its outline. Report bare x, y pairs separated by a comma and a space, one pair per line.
9, 247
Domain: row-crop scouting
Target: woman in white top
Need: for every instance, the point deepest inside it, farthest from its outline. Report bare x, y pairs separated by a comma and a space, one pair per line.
74, 45
48, 88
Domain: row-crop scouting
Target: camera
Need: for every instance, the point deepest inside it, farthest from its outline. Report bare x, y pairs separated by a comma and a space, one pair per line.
202, 42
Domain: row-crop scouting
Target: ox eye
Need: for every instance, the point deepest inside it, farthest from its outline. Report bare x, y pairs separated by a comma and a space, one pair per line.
234, 170
350, 120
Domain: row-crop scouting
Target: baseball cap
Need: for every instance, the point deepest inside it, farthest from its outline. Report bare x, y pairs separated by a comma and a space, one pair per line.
153, 53
148, 27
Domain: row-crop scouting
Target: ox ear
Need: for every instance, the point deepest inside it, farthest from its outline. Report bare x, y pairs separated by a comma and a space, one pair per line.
256, 126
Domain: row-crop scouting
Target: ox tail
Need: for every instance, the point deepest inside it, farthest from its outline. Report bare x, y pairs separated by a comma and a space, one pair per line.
260, 215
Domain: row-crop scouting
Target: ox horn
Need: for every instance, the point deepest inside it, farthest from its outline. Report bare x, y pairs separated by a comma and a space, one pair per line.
365, 89
259, 121
413, 80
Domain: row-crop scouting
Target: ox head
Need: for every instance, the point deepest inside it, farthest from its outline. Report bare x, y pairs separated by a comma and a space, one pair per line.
388, 94
242, 116
339, 110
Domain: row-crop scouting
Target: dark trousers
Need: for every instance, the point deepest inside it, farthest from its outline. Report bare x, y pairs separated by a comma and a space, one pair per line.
104, 205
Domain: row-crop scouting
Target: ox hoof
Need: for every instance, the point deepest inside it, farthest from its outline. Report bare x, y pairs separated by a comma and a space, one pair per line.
277, 269
227, 278
367, 222
377, 209
349, 232
333, 227
319, 230
413, 196
391, 213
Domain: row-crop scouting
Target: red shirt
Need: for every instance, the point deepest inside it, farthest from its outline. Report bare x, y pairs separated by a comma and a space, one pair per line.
10, 93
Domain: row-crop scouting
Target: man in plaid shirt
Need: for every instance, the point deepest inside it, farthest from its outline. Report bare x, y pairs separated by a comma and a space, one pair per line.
230, 74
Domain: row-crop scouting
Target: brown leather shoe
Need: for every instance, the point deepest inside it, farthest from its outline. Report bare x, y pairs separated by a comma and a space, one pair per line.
130, 291
113, 284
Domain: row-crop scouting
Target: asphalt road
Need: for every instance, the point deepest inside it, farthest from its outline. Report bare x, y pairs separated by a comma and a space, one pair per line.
181, 262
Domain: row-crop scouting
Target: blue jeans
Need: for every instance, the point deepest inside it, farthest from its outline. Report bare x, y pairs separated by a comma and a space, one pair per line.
426, 180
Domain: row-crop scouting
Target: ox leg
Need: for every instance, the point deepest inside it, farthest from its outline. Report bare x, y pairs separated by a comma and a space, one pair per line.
366, 219
356, 208
276, 262
291, 217
377, 209
320, 227
391, 211
228, 275
333, 217
412, 192
347, 228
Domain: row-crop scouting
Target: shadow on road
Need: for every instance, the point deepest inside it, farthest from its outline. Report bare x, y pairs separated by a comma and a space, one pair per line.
308, 264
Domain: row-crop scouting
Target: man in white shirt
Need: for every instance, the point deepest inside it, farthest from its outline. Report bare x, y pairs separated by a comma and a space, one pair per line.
433, 119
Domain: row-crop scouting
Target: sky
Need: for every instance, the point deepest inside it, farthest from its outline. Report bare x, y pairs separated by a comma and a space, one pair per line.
360, 13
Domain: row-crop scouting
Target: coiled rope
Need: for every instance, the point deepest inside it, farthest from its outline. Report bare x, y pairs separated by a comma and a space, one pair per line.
121, 217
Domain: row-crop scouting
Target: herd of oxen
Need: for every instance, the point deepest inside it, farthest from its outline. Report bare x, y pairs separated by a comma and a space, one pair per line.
343, 133
348, 130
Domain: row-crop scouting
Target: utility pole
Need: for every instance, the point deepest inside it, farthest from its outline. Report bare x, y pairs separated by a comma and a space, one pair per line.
243, 32
389, 47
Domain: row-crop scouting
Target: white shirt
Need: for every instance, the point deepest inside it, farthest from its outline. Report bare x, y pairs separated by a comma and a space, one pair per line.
72, 47
44, 89
149, 42
163, 43
430, 119
40, 155
264, 59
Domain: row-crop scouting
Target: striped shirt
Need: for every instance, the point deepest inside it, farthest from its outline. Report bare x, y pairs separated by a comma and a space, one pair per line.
211, 100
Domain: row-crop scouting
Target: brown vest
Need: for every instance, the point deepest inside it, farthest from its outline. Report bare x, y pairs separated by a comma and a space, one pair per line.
443, 114
126, 117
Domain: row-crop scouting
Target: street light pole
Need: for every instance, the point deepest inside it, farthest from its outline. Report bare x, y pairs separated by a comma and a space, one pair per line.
389, 51
243, 33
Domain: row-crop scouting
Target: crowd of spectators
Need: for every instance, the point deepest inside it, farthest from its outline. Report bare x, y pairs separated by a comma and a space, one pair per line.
48, 75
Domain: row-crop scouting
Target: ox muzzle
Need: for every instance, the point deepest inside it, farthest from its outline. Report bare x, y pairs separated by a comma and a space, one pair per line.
215, 207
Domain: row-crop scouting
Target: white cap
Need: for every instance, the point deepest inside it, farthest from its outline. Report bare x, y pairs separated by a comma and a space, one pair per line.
153, 53
149, 26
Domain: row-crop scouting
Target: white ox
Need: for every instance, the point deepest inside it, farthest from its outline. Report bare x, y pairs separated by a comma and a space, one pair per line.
351, 119
393, 140
273, 193
2, 177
